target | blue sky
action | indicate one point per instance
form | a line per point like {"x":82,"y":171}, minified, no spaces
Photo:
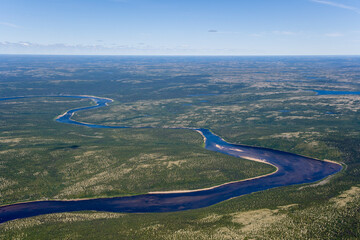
{"x":180,"y":27}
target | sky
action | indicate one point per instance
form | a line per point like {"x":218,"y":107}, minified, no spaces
{"x":180,"y":27}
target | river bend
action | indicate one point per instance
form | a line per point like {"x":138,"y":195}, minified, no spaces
{"x":291,"y":169}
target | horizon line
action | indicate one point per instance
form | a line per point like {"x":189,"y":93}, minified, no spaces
{"x":183,"y":55}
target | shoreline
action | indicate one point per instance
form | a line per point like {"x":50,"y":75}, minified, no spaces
{"x":210,"y":188}
{"x":223,"y":184}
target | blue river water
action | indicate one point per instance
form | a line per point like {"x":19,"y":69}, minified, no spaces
{"x":291,"y":169}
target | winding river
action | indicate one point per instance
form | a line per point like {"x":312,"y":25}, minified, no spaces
{"x":290,"y":169}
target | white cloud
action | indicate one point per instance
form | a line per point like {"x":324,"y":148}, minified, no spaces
{"x":9,"y":25}
{"x":338,"y":5}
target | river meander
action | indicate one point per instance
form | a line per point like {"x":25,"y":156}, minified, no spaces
{"x":291,"y":169}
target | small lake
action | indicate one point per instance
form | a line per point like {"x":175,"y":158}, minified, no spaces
{"x":324,"y":92}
